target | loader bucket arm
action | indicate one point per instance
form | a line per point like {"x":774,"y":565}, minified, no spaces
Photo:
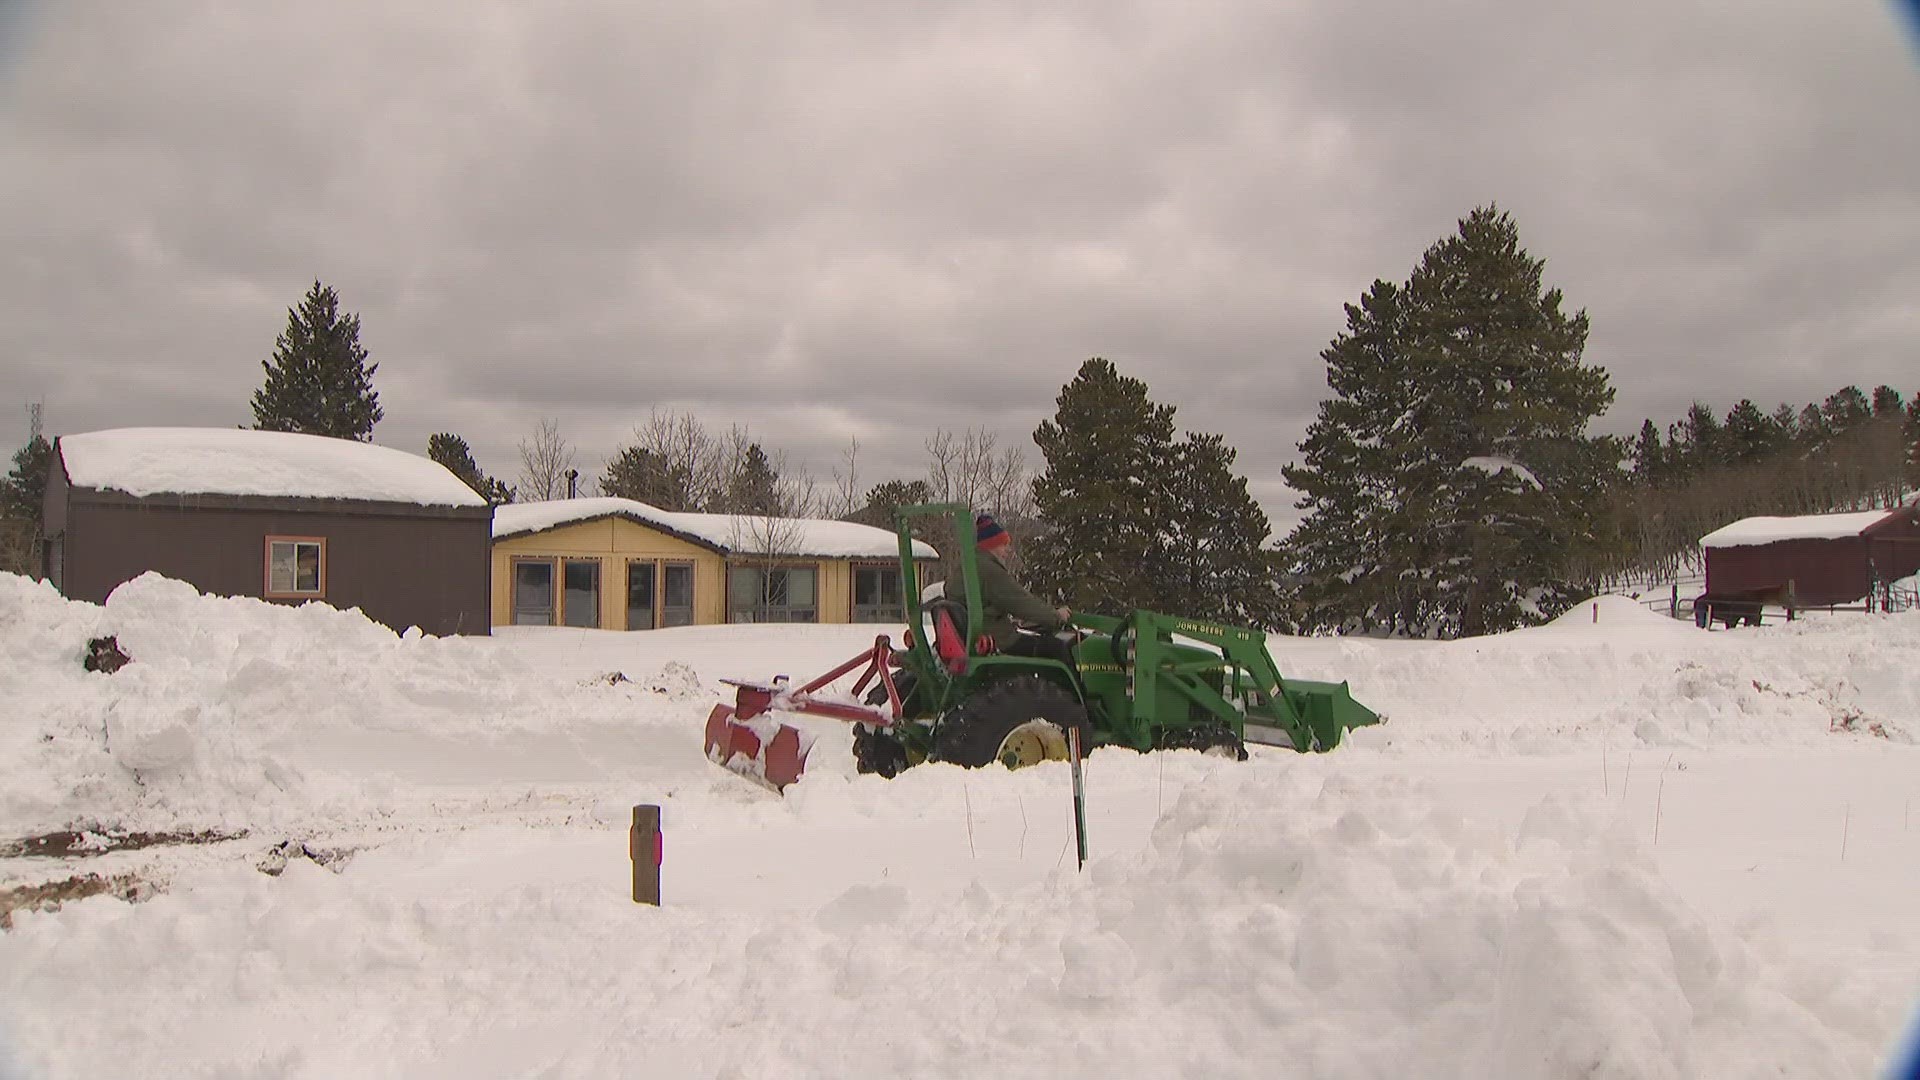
{"x":1254,"y":700}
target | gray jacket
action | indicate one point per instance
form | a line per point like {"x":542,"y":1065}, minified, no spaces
{"x":1006,"y":601}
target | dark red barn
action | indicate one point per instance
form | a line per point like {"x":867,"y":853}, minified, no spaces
{"x":1817,"y":560}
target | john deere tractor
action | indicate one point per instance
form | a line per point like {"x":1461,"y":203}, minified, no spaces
{"x":1144,"y":680}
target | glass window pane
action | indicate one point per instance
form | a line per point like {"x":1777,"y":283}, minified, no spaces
{"x":676,"y":588}
{"x":582,"y":606}
{"x":280,"y":567}
{"x":640,"y":578}
{"x":679,"y":586}
{"x":306,"y":577}
{"x":800,"y":588}
{"x":533,"y":594}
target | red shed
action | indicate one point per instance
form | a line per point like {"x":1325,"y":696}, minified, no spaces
{"x":1817,"y":559}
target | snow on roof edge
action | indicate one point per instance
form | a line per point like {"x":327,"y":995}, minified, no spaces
{"x":724,"y":533}
{"x":242,"y":462}
{"x":1756,"y":531}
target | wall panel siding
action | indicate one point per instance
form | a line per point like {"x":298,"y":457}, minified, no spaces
{"x":400,"y":570}
{"x":612,"y":542}
{"x":616,"y":540}
{"x":836,"y":592}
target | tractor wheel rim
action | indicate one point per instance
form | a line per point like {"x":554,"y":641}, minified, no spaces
{"x":1031,"y":743}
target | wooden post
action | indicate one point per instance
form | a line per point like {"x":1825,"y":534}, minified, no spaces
{"x":1790,"y":599}
{"x":1674,"y":610}
{"x":645,"y":846}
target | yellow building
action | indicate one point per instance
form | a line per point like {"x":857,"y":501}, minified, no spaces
{"x":617,"y":564}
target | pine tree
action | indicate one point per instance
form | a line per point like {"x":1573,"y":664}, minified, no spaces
{"x":1749,"y":434}
{"x":319,"y":381}
{"x":1910,"y":435}
{"x":1649,"y":457}
{"x":1217,"y":566}
{"x":1845,"y":408}
{"x":639,"y":474}
{"x":23,"y":490}
{"x":451,"y":451}
{"x":1701,"y":441}
{"x":1449,"y":486}
{"x":1786,"y":425}
{"x":1102,"y":494}
{"x":884,"y":498}
{"x":754,"y":487}
{"x":1887,"y":404}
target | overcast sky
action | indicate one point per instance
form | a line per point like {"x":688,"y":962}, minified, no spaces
{"x":876,"y":220}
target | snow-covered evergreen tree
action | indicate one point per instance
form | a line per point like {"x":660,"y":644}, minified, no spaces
{"x":1449,"y":484}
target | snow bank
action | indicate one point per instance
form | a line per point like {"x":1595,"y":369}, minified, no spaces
{"x":1275,"y":920}
{"x":1633,"y":678}
{"x":1437,"y":899}
{"x":225,"y":695}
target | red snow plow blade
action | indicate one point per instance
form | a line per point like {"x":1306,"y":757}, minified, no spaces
{"x":746,"y":738}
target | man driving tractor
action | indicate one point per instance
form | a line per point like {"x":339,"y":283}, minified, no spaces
{"x":1006,"y":601}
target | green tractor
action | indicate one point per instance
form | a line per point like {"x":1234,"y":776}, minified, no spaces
{"x":1146,"y":681}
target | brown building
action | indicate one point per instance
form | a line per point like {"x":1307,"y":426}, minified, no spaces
{"x":1816,"y":560}
{"x":273,"y":515}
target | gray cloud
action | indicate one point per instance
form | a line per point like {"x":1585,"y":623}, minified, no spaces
{"x":826,"y":222}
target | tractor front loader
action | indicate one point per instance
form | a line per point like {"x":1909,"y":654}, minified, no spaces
{"x":1146,"y":681}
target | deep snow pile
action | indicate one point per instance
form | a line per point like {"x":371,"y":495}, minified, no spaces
{"x":203,"y":724}
{"x":1462,"y":892}
{"x":1630,"y":678}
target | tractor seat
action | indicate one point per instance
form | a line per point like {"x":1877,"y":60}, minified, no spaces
{"x":949,"y":619}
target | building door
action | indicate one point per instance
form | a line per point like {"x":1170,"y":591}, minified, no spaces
{"x":676,"y":594}
{"x":582,"y":606}
{"x":533,"y":593}
{"x":641,"y":595}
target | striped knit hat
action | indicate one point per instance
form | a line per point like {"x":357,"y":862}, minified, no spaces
{"x":988,"y":534}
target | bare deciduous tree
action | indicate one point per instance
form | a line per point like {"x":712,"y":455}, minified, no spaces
{"x":973,"y":469}
{"x":767,"y":543}
{"x":847,"y":499}
{"x":689,"y":455}
{"x":544,"y":461}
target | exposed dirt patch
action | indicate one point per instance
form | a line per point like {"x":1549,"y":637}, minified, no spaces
{"x":48,"y":896}
{"x":82,"y":843}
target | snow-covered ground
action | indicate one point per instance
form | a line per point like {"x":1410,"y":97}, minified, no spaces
{"x":1616,"y":846}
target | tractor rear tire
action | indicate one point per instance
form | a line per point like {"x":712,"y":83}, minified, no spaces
{"x":1018,"y":723}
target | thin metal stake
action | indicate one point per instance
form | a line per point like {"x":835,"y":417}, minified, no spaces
{"x":1079,"y":796}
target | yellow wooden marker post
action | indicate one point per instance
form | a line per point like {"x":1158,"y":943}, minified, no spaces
{"x":647,"y":849}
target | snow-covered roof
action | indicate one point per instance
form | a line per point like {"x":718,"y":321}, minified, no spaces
{"x":724,"y":532}
{"x":1752,"y":531}
{"x":237,"y":461}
